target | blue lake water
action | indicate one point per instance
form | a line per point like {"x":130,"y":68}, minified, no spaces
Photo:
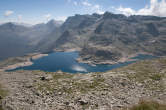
{"x":65,"y":61}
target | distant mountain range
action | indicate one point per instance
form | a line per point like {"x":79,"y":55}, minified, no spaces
{"x":98,"y":37}
{"x":18,"y":40}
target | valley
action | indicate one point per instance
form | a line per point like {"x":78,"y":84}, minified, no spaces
{"x":43,"y":66}
{"x":100,"y":39}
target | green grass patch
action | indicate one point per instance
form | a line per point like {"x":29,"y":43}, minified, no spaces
{"x":148,"y":105}
{"x":66,"y":84}
{"x":3,"y":92}
{"x":57,"y":82}
{"x":156,"y":77}
{"x":148,"y":72}
{"x":97,"y":83}
{"x":62,"y":76}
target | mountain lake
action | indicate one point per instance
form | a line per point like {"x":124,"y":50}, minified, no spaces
{"x":66,"y":62}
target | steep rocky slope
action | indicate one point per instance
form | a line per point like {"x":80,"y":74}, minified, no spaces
{"x":116,"y":89}
{"x":113,"y":37}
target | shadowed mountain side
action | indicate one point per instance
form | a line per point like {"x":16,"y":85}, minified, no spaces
{"x":18,"y":40}
{"x":113,"y":36}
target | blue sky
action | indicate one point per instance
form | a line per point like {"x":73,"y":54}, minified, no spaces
{"x":36,"y":11}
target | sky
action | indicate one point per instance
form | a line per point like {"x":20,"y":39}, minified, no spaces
{"x":37,"y":11}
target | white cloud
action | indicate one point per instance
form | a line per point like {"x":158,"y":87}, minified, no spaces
{"x":69,"y":1}
{"x":156,"y":8}
{"x":126,"y":11}
{"x":47,"y":16}
{"x":8,"y":13}
{"x":75,"y":3}
{"x":60,"y":18}
{"x":86,"y":3}
{"x":94,"y":8}
{"x":97,"y":8}
{"x":19,"y":17}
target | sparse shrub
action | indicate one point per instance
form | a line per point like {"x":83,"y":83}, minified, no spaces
{"x":3,"y":93}
{"x":148,"y":105}
{"x":156,"y":77}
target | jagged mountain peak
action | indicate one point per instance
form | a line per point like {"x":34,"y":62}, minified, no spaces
{"x":109,"y":15}
{"x":54,"y":23}
{"x":8,"y":24}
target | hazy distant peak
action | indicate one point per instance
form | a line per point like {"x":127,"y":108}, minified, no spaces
{"x":9,"y":25}
{"x":112,"y":15}
{"x":16,"y":24}
{"x":96,"y":15}
{"x":23,"y":24}
{"x":55,"y":23}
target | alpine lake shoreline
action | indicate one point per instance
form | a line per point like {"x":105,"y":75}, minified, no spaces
{"x":27,"y":60}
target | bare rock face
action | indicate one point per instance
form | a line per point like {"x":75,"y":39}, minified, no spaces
{"x":116,"y":89}
{"x":99,"y":54}
{"x":125,"y":35}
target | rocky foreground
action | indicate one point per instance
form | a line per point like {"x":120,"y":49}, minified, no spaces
{"x":112,"y":90}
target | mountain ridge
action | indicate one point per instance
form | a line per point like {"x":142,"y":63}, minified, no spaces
{"x":98,"y":37}
{"x":116,"y":34}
